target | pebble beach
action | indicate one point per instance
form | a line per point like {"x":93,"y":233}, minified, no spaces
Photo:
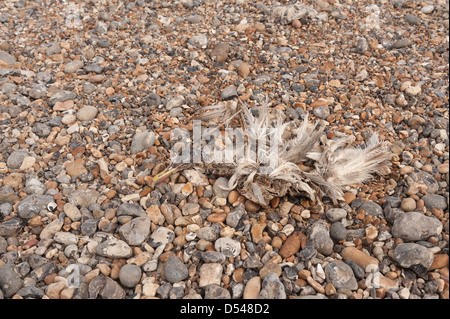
{"x":91,"y":90}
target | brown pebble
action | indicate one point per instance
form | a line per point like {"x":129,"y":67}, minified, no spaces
{"x":292,"y":245}
{"x":362,"y":259}
{"x":439,"y":261}
{"x":252,"y":288}
{"x":237,"y":274}
{"x":216,"y":217}
{"x":349,"y":197}
{"x":50,"y":278}
{"x":276,"y":242}
{"x":296,"y":24}
{"x":243,"y":70}
{"x":233,"y":196}
{"x":317,"y":287}
{"x":257,"y":231}
{"x":270,"y":267}
{"x":274,"y":202}
{"x":304,"y":273}
{"x":251,"y":206}
{"x":330,"y":290}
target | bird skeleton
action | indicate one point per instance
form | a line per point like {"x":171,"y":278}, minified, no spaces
{"x":276,"y":153}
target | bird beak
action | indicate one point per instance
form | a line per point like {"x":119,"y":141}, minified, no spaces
{"x":161,"y":177}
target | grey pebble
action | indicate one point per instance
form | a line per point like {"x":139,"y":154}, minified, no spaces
{"x":113,"y":248}
{"x":338,"y":231}
{"x":175,"y":270}
{"x":43,"y":271}
{"x":15,"y":159}
{"x":321,"y":112}
{"x":411,"y":254}
{"x":3,"y":245}
{"x":371,"y":208}
{"x":198,"y":41}
{"x":61,"y":96}
{"x":319,"y":238}
{"x":341,"y":275}
{"x":361,"y":45}
{"x":53,"y":49}
{"x":73,"y":66}
{"x":229,"y":93}
{"x":89,"y":227}
{"x":41,"y":130}
{"x":434,"y":201}
{"x":402,"y":43}
{"x":7,"y":58}
{"x":84,"y":197}
{"x":412,"y":19}
{"x":213,"y":257}
{"x":272,"y":288}
{"x":95,"y":68}
{"x":130,"y":275}
{"x":112,"y":290}
{"x":214,"y":291}
{"x":336,"y":214}
{"x":130,"y":209}
{"x":30,"y":292}
{"x":142,"y":141}
{"x":135,"y":231}
{"x":33,"y":204}
{"x":235,"y":216}
{"x":5,"y":210}
{"x":164,"y":290}
{"x":207,"y":233}
{"x":357,"y":270}
{"x":415,"y":226}
{"x":10,"y":282}
{"x":161,"y":236}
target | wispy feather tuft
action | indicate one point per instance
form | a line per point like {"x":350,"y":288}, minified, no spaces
{"x":275,"y":169}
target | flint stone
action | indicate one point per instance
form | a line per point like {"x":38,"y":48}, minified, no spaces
{"x":33,"y":204}
{"x":130,"y":209}
{"x":415,"y":226}
{"x":272,"y":288}
{"x":61,"y":96}
{"x":411,"y":254}
{"x":84,"y":197}
{"x":10,"y":282}
{"x":319,"y":238}
{"x":113,"y":248}
{"x":175,"y":270}
{"x":216,"y":292}
{"x":142,"y":141}
{"x":7,"y":58}
{"x":341,"y":275}
{"x":434,"y":201}
{"x":135,"y":231}
{"x":16,"y":158}
{"x":161,"y":236}
{"x":10,"y":227}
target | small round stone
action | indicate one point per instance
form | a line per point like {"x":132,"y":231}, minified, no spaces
{"x":408,"y":204}
{"x":87,"y":113}
{"x":175,"y":270}
{"x":338,"y":231}
{"x":130,"y":275}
